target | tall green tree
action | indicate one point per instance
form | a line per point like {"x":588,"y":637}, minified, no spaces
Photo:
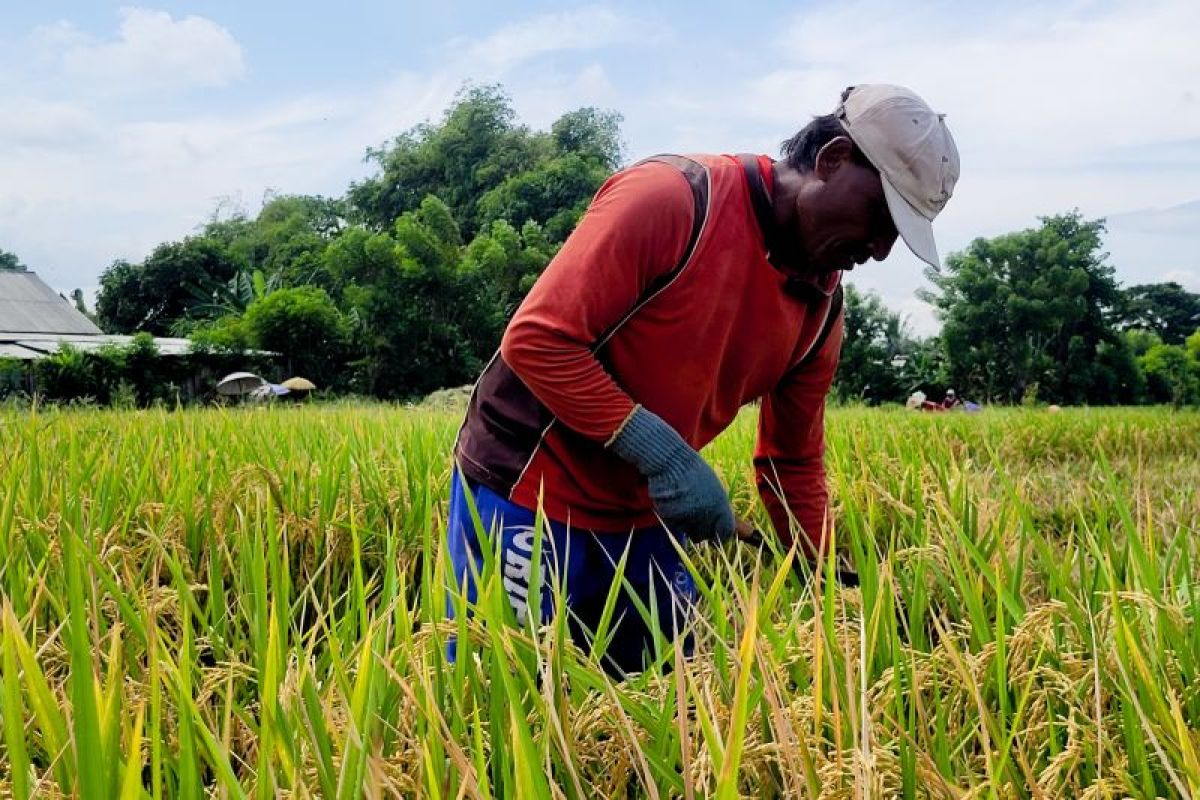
{"x":215,"y":299}
{"x":553,"y":194}
{"x":473,"y":149}
{"x":420,"y":320}
{"x":478,"y":150}
{"x":1167,"y":309}
{"x":1028,"y":311}
{"x":424,"y":261}
{"x":286,"y":239}
{"x":153,"y":295}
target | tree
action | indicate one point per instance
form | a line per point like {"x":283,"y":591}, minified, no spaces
{"x":554,"y":194}
{"x":1171,"y":375}
{"x":424,"y":261}
{"x":304,"y":326}
{"x":473,"y":149}
{"x":287,"y":238}
{"x":140,"y":358}
{"x":507,"y":262}
{"x":227,"y":335}
{"x":80,"y":305}
{"x":152,"y":295}
{"x":592,"y":134}
{"x":485,"y":167}
{"x":874,"y":336}
{"x":1029,"y":308}
{"x":1167,"y":309}
{"x":1119,"y":377}
{"x":10,"y":263}
{"x":1140,"y":341}
{"x":215,"y":299}
{"x":422,"y":318}
{"x":66,"y":374}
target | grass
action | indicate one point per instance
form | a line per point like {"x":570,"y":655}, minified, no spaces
{"x":248,"y":603}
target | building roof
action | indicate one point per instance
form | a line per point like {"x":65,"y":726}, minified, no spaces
{"x":29,"y":348}
{"x":31,"y":308}
{"x":35,"y":321}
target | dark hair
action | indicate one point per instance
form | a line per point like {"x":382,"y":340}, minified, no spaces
{"x":801,"y":150}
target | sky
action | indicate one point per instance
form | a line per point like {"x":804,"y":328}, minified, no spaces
{"x":124,"y":126}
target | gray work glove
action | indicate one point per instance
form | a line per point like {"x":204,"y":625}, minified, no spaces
{"x":685,"y":491}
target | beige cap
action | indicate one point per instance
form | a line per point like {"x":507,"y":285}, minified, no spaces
{"x":910,"y":145}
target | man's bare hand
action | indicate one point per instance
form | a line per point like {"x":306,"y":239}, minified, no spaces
{"x":745,"y":531}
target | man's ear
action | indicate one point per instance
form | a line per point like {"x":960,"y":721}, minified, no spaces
{"x":837,"y":151}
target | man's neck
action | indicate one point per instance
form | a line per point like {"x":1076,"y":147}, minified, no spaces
{"x":787,"y":250}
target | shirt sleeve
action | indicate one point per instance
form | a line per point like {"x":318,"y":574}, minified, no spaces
{"x":636,"y":229}
{"x":789,"y":460}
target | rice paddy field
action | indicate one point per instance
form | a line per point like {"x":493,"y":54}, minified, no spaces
{"x":250,"y":602}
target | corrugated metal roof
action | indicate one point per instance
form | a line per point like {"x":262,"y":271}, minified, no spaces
{"x":29,"y":306}
{"x":20,"y":346}
{"x":49,"y":344}
{"x":8,"y":350}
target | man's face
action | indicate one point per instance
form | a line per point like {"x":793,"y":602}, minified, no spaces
{"x":842,"y":218}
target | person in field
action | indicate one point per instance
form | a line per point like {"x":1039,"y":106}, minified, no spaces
{"x":691,"y":287}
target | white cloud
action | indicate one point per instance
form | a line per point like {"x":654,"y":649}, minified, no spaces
{"x":152,"y":51}
{"x":145,"y":182}
{"x":36,"y":123}
{"x":1180,"y":220}
{"x":585,"y":28}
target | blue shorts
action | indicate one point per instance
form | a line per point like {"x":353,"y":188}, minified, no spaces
{"x":585,"y":564}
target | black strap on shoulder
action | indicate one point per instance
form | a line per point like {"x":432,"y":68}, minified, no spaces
{"x":697,"y":178}
{"x":760,"y":198}
{"x":835,"y":313}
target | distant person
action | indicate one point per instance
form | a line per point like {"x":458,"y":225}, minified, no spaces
{"x":951,"y":400}
{"x":692,"y":286}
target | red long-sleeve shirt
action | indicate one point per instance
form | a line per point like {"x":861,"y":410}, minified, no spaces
{"x":643,"y":305}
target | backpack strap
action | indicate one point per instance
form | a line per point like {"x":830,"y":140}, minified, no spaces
{"x":698,"y":179}
{"x":760,"y":198}
{"x":835,"y":313}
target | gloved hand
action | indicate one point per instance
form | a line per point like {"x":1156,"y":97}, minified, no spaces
{"x":685,"y":491}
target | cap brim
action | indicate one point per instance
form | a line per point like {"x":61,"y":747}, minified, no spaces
{"x":914,"y":227}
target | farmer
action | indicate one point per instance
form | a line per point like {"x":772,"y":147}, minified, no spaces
{"x":691,"y":287}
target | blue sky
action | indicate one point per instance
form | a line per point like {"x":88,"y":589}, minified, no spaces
{"x":124,"y":126}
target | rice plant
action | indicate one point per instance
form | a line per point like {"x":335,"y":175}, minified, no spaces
{"x":251,"y":602}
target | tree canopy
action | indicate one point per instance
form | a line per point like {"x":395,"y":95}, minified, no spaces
{"x":1167,"y":309}
{"x":1028,"y":312}
{"x":484,"y":166}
